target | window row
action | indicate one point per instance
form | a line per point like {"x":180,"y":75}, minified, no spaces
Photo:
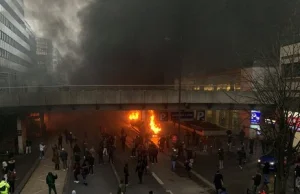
{"x":19,"y":7}
{"x":9,"y":25}
{"x":13,"y":43}
{"x":11,"y":57}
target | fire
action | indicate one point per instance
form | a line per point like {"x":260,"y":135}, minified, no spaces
{"x":134,"y":115}
{"x":153,"y":126}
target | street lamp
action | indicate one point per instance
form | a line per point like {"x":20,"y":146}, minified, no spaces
{"x":179,"y":82}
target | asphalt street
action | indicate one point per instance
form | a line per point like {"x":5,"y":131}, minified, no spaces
{"x":235,"y":179}
{"x":102,"y":181}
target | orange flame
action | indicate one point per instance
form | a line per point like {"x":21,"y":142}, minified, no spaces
{"x":153,"y":126}
{"x":134,"y":115}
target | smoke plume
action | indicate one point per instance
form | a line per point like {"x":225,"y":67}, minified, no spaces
{"x":147,"y":42}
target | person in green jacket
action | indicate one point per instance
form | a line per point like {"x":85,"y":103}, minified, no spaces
{"x":4,"y":187}
{"x":50,"y":180}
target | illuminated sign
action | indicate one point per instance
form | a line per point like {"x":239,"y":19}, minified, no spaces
{"x":255,"y":117}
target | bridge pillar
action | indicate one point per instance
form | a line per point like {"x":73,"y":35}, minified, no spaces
{"x":42,"y":124}
{"x":217,"y":118}
{"x":21,"y":130}
{"x":230,"y":119}
{"x":214,"y":116}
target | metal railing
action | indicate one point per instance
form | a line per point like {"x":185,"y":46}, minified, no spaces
{"x":65,"y":88}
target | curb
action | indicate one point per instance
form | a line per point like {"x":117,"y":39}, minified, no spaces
{"x":68,"y":177}
{"x":115,"y":172}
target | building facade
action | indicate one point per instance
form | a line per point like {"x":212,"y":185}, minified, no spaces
{"x":16,"y":50}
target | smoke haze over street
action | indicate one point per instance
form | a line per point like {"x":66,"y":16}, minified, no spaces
{"x":143,"y":42}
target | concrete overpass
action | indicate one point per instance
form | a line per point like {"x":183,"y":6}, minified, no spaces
{"x":121,"y":98}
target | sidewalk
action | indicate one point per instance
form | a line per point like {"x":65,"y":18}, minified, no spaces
{"x":37,"y":182}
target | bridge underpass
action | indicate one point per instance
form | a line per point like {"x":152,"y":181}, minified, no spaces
{"x":121,"y":98}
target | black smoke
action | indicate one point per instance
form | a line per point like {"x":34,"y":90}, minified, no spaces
{"x":143,"y":42}
{"x":148,"y":42}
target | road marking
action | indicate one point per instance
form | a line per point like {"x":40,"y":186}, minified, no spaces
{"x":169,"y":191}
{"x":115,"y":172}
{"x":200,"y":177}
{"x":157,"y":178}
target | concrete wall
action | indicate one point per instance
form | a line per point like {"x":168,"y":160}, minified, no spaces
{"x":111,"y":97}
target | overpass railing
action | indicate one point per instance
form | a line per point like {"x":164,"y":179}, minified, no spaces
{"x":65,"y":88}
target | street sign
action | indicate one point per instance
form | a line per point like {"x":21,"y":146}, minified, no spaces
{"x":255,"y":117}
{"x":201,"y":115}
{"x":184,"y":116}
{"x":163,"y":116}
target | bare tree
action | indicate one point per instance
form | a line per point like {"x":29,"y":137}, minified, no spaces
{"x":275,"y":84}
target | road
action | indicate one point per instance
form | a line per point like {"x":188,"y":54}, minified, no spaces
{"x":206,"y":165}
{"x":104,"y":179}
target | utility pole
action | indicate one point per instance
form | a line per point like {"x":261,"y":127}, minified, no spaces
{"x":179,"y":88}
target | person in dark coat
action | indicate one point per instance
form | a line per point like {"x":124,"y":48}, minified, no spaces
{"x":50,"y":180}
{"x":64,"y":158}
{"x":76,"y":170}
{"x":11,"y":179}
{"x":218,"y":181}
{"x":60,"y":141}
{"x":256,"y":181}
{"x":140,"y":169}
{"x":85,"y":172}
{"x":91,"y":161}
{"x":126,"y":174}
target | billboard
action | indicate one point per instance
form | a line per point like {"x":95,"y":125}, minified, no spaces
{"x":255,"y":117}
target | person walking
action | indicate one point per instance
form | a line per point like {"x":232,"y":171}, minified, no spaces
{"x":100,"y":153}
{"x":188,"y":166}
{"x":55,"y":159}
{"x":64,"y":158}
{"x":11,"y":178}
{"x":218,"y":181}
{"x":140,"y":169}
{"x":28,"y":146}
{"x":42,"y":150}
{"x":76,"y":171}
{"x":256,"y":181}
{"x":4,"y":186}
{"x":50,"y":181}
{"x":126,"y":174}
{"x":174,"y":159}
{"x":91,"y":161}
{"x":85,"y":172}
{"x":111,"y":151}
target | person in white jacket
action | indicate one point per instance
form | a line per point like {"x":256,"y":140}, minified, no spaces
{"x":73,"y":192}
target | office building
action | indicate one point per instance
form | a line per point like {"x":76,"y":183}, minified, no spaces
{"x":15,"y":47}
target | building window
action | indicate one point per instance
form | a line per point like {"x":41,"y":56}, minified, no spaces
{"x":223,"y":87}
{"x":13,"y":43}
{"x":209,"y":88}
{"x":11,"y":57}
{"x":9,"y":25}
